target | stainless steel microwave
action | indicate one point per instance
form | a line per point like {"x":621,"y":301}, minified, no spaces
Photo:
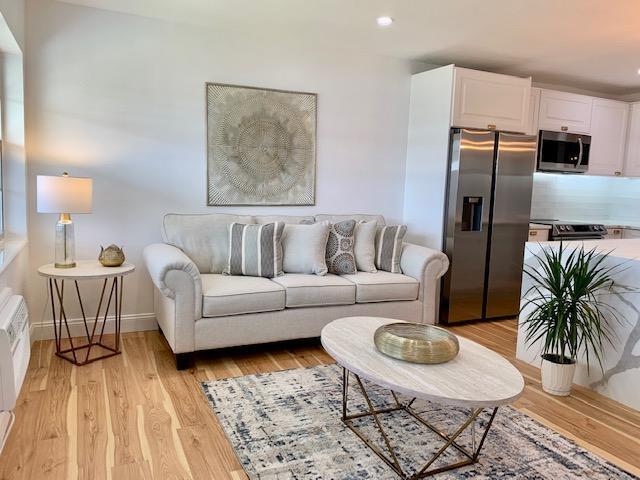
{"x":563,"y":152}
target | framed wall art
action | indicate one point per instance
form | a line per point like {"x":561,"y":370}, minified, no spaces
{"x":261,"y":146}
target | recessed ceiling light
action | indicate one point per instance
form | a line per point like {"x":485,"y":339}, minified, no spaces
{"x":384,"y":21}
{"x":639,"y":71}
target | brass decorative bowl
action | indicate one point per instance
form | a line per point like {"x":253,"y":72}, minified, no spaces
{"x":416,"y":342}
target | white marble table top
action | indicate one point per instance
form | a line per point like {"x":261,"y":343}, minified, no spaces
{"x":477,"y":377}
{"x":85,"y":270}
{"x":620,"y":248}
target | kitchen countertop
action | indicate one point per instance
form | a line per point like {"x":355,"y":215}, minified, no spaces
{"x":539,"y":226}
{"x":627,"y":249}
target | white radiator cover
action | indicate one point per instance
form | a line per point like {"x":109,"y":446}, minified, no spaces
{"x":15,"y":350}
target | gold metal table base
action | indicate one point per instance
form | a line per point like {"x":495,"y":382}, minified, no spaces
{"x":74,"y":353}
{"x":471,"y":456}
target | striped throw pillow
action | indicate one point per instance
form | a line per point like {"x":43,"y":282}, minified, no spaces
{"x":389,"y":247}
{"x":255,"y":250}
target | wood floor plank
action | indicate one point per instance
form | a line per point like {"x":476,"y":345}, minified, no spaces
{"x":182,"y":397}
{"x":132,"y":471}
{"x":53,"y":415}
{"x":222,"y":454}
{"x":284,"y":360}
{"x":123,"y":416}
{"x":91,"y":423}
{"x":39,"y":365}
{"x":50,"y":460}
{"x":200,"y":448}
{"x":135,"y":416}
{"x":166,"y":461}
{"x":19,"y":452}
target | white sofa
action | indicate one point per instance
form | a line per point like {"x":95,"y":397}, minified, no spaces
{"x":198,"y":308}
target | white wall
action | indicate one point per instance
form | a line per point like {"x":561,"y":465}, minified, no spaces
{"x":586,"y":198}
{"x":120,"y":98}
{"x":13,"y":12}
{"x":14,"y":255}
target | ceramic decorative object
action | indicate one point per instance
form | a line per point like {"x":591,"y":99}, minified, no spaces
{"x":112,"y":256}
{"x":557,"y":378}
{"x":416,"y":342}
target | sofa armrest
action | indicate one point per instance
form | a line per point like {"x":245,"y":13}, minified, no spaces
{"x":177,"y":278}
{"x":427,"y":266}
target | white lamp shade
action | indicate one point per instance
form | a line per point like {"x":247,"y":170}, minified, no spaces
{"x":64,"y":194}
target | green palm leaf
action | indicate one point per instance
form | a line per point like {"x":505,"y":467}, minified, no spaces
{"x":565,"y":306}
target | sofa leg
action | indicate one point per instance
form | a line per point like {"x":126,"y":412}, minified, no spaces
{"x":184,"y":360}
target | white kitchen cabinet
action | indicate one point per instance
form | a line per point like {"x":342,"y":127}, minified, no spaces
{"x":632,"y":160}
{"x":630,"y":233}
{"x":490,"y":101}
{"x":441,"y":98}
{"x":609,"y":120}
{"x":614,"y":233}
{"x":565,"y":112}
{"x":534,"y":112}
{"x":538,"y":234}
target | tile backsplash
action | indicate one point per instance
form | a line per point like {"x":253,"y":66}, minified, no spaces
{"x":586,"y":198}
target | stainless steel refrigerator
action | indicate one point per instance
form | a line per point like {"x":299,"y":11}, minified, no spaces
{"x":486,"y":223}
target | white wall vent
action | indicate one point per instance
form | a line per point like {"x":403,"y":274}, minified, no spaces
{"x":15,"y":350}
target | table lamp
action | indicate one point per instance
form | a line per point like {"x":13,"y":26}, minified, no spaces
{"x":64,"y":195}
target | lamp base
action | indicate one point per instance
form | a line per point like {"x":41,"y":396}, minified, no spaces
{"x":65,"y":265}
{"x":65,"y":243}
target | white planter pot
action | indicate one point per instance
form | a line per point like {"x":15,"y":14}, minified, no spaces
{"x":557,"y":377}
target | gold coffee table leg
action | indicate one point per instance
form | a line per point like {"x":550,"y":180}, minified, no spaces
{"x":392,"y":460}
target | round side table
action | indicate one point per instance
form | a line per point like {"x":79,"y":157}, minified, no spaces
{"x":112,"y":286}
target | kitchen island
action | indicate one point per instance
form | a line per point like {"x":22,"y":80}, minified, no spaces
{"x":621,"y":361}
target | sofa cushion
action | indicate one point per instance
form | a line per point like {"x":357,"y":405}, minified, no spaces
{"x":339,"y":256}
{"x":310,"y":290}
{"x":364,"y":248}
{"x":383,"y":286}
{"x":389,"y":247}
{"x":233,"y":295}
{"x":204,"y":238}
{"x":255,"y":250}
{"x":303,"y":248}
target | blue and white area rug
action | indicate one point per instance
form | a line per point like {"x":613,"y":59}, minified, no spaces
{"x":286,"y":425}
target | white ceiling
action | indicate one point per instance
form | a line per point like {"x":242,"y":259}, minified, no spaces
{"x":588,"y":44}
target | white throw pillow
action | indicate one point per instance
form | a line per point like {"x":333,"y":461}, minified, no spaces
{"x":304,"y":247}
{"x":364,"y":248}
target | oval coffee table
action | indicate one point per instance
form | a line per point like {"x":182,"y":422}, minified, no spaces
{"x":477,"y":378}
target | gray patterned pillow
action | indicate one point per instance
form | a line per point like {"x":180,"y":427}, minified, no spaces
{"x":255,"y":250}
{"x":389,"y":248}
{"x":339,"y":255}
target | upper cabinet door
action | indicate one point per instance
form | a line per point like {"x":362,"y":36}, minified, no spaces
{"x":608,"y":135}
{"x":490,"y":101}
{"x":565,"y":112}
{"x":632,"y":162}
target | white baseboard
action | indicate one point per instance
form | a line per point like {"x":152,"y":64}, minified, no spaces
{"x":135,"y":322}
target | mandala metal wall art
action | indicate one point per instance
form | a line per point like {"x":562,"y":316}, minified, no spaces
{"x":261,"y":146}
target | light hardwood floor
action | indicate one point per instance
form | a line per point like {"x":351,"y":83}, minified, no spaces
{"x":134,"y":416}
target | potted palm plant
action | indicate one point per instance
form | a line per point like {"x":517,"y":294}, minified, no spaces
{"x":564,"y":308}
